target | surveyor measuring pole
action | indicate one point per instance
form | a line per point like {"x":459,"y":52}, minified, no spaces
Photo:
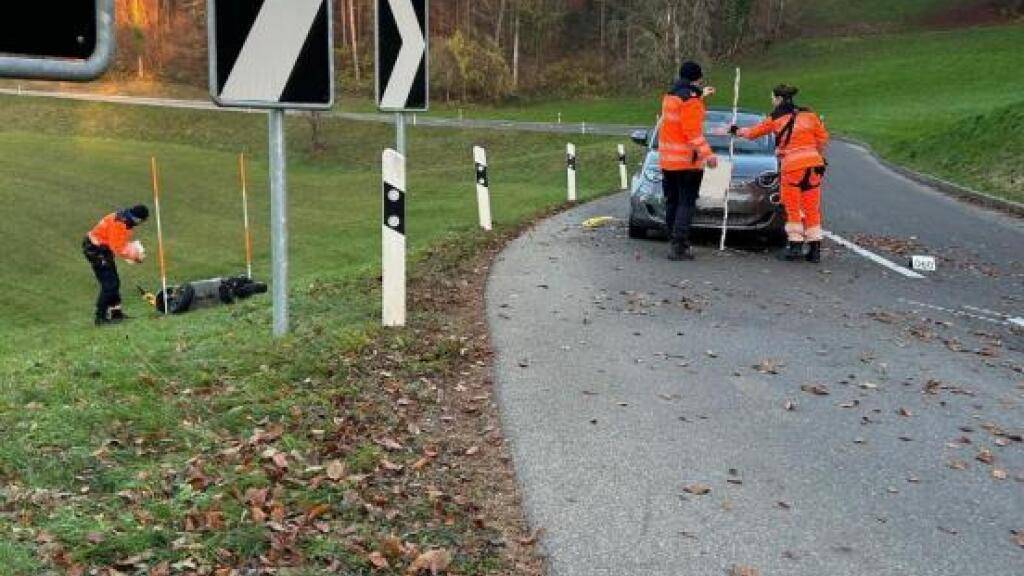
{"x":245,"y":214}
{"x":732,"y":156}
{"x":159,"y":233}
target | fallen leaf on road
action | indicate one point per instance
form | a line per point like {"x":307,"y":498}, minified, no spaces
{"x":949,"y":531}
{"x":958,"y":465}
{"x":532,"y":538}
{"x":784,"y":505}
{"x":789,"y":406}
{"x":768,"y":366}
{"x":738,"y":570}
{"x":904,"y":412}
{"x":697,"y":489}
{"x":868,"y":386}
{"x":1000,"y":474}
{"x":853,"y":404}
{"x":985,"y":456}
{"x":815,"y":389}
{"x":1018,"y":537}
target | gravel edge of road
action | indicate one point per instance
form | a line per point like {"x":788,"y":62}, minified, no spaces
{"x":944,"y":186}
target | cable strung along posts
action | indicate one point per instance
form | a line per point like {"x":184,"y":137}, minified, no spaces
{"x":570,"y":161}
{"x":483,"y":187}
{"x":732,"y":156}
{"x":393,"y":240}
{"x":623,"y":173}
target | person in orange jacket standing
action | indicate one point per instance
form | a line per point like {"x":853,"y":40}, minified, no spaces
{"x":800,"y":141}
{"x":683,"y":152}
{"x":111,"y":237}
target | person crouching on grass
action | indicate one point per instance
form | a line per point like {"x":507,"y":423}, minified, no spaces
{"x":112,"y":236}
{"x":800,"y":141}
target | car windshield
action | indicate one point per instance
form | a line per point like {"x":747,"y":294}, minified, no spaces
{"x":720,"y":144}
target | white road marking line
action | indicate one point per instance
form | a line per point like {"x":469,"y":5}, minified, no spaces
{"x":1000,"y":321}
{"x":872,"y":256}
{"x":271,"y":50}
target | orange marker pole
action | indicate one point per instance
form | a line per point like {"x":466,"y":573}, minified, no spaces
{"x":159,"y":233}
{"x":245,"y":214}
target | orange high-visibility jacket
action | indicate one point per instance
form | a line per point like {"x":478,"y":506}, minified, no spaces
{"x":112,"y":233}
{"x":800,"y":149}
{"x":681,"y":142}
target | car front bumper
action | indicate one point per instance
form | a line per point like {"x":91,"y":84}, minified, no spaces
{"x":750,"y":208}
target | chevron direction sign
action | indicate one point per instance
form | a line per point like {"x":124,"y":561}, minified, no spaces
{"x":403,"y":55}
{"x":271,"y":53}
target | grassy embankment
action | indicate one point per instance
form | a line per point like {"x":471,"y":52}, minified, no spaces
{"x":948,"y":103}
{"x":102,"y":429}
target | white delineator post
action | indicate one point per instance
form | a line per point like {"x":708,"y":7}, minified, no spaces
{"x":623,"y":173}
{"x":570,"y":161}
{"x":483,"y":187}
{"x":393,"y":239}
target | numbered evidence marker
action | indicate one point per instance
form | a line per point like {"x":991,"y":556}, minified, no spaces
{"x":402,"y":63}
{"x":483,"y":187}
{"x":570,"y":161}
{"x":923,"y":263}
{"x":271,"y":53}
{"x":56,"y":40}
{"x":393,"y":238}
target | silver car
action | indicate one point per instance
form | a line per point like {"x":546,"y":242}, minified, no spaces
{"x":753,"y":194}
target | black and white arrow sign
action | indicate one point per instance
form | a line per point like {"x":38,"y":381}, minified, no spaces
{"x":402,"y":55}
{"x":271,"y":53}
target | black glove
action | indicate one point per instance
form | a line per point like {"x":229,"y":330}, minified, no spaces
{"x":734,"y":129}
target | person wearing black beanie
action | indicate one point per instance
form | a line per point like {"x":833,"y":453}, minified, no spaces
{"x":112,"y":236}
{"x":683,"y":152}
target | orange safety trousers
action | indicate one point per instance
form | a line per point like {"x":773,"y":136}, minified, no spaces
{"x":801,"y":196}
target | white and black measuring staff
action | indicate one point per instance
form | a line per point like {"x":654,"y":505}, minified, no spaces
{"x":393,"y":249}
{"x":401,"y":62}
{"x":623,"y":172}
{"x":570,"y":168}
{"x":483,"y":187}
{"x":732,"y":157}
{"x":275,"y":55}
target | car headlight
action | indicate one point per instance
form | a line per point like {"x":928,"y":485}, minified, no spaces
{"x":768,"y":180}
{"x":653,"y":173}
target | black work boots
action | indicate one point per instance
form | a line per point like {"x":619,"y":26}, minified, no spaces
{"x":678,"y":252}
{"x":795,"y":252}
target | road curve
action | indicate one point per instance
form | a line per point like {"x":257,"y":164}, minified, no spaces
{"x":626,"y":380}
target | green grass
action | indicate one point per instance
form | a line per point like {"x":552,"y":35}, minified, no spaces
{"x":88,"y":414}
{"x":908,"y":95}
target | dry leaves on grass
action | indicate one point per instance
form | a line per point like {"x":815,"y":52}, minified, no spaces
{"x":434,"y":561}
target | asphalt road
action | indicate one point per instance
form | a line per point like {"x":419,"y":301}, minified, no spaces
{"x":624,"y":379}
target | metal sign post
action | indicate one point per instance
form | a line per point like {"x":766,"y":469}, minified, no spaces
{"x":279,"y":220}
{"x":274,"y":55}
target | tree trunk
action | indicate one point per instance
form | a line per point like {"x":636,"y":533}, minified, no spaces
{"x":515,"y":51}
{"x":353,"y":35}
{"x":498,"y":25}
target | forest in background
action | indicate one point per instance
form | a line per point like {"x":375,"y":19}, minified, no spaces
{"x":494,"y":50}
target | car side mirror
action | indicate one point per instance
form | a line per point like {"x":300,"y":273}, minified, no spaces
{"x":640,"y":137}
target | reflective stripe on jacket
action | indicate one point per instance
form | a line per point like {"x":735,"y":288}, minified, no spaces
{"x":802,"y":148}
{"x":681,"y":142}
{"x":112,"y":233}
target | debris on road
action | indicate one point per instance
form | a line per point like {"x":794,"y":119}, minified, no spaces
{"x":598,"y":222}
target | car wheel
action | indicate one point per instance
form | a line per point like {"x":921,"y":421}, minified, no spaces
{"x":637,"y":232}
